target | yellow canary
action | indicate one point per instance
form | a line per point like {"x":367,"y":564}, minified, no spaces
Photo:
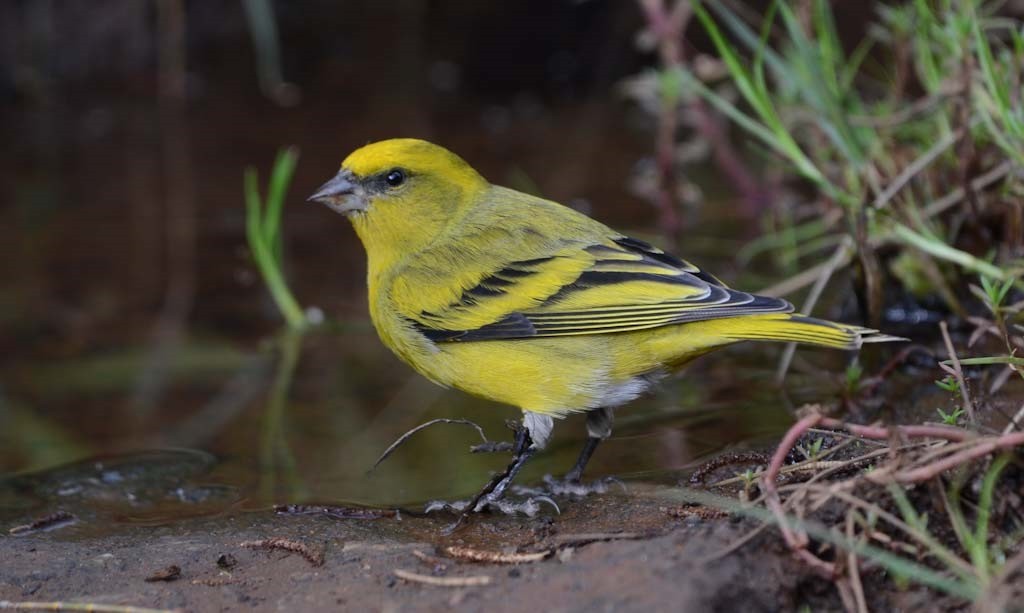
{"x":525,"y":301}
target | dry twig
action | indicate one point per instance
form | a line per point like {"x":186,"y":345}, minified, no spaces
{"x":956,"y":371}
{"x":593,"y":537}
{"x":216,"y":581}
{"x":726,"y":459}
{"x":475,"y":581}
{"x":90,"y":607}
{"x":49,"y":522}
{"x":840,"y":257}
{"x":402,"y":439}
{"x":853,"y":568}
{"x":171,"y":573}
{"x":694,"y":510}
{"x":426,"y":557}
{"x":313,"y":556}
{"x":494,"y":557}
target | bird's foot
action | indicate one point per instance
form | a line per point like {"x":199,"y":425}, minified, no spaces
{"x":491,"y":496}
{"x":501,"y":446}
{"x":529,"y":506}
{"x":492,"y":447}
{"x":568,"y":486}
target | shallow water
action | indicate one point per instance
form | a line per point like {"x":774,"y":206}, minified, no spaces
{"x":135,"y":322}
{"x":241,"y":446}
{"x":132,"y":320}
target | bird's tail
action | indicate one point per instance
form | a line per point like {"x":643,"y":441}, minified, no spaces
{"x":797,"y":328}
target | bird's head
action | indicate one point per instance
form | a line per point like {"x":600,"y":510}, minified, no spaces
{"x":401,"y":193}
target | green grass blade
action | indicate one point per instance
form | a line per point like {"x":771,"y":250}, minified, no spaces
{"x":761,"y":51}
{"x":938,"y":248}
{"x":771,"y":240}
{"x":262,"y":248}
{"x":927,"y":65}
{"x":989,"y":360}
{"x":979,"y":553}
{"x":742,"y":79}
{"x":829,"y":46}
{"x":253,"y":206}
{"x":731,"y":111}
{"x":774,"y":132}
{"x":993,"y":81}
{"x":753,"y":41}
{"x":280,"y":179}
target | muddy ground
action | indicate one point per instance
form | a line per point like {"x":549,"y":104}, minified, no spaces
{"x":610,"y":551}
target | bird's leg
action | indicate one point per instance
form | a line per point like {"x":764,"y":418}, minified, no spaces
{"x":522,"y":450}
{"x":576,"y":472}
{"x":599,"y":427}
{"x":531,"y":436}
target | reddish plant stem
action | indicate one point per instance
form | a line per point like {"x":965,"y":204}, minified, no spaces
{"x":785,"y":446}
{"x":984,"y":447}
{"x":797,"y":541}
{"x":949,"y":433}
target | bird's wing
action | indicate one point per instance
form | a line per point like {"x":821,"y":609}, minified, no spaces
{"x":594,"y":287}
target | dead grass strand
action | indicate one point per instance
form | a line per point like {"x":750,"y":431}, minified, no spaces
{"x":91,"y":607}
{"x":475,"y":581}
{"x":494,"y":557}
{"x":311,"y":555}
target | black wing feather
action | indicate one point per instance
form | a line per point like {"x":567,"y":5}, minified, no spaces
{"x":718,"y":302}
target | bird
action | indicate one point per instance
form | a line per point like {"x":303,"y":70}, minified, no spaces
{"x":524,"y":301}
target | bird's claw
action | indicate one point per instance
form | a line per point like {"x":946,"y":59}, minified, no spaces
{"x":443,"y":505}
{"x":568,"y":487}
{"x":529,"y":506}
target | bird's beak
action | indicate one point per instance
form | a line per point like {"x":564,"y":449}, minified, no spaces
{"x":340,"y":194}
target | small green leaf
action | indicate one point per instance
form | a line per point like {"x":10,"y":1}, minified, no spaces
{"x":988,"y":360}
{"x":950,"y":419}
{"x":948,"y":383}
{"x":854,"y":372}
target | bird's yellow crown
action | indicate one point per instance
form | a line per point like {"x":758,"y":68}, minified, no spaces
{"x":417,"y":156}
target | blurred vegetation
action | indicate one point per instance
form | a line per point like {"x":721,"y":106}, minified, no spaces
{"x":908,"y":142}
{"x":263,"y":231}
{"x":899,"y":156}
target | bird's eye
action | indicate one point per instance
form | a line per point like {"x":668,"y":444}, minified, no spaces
{"x":395,"y":177}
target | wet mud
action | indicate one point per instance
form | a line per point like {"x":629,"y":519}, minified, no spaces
{"x":614,"y":551}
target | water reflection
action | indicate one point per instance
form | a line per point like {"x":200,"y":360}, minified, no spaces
{"x":304,"y":417}
{"x":131,"y":320}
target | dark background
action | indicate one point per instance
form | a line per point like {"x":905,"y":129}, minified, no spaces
{"x":123,"y":158}
{"x":131,"y":315}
